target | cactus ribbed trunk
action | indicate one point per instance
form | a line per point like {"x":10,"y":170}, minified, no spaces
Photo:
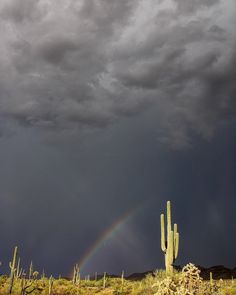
{"x":170,"y":247}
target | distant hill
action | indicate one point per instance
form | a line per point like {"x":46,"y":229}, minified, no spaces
{"x":218,"y":272}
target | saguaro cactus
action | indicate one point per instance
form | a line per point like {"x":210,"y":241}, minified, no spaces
{"x":170,"y":246}
{"x":76,"y":275}
{"x":122,"y":280}
{"x":12,"y":266}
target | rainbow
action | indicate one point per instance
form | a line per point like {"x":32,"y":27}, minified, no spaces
{"x":107,"y":235}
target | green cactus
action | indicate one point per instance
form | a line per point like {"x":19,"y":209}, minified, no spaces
{"x":18,"y":269}
{"x":122,"y":280}
{"x":170,"y":246}
{"x":104,"y":280}
{"x":211,"y":278}
{"x":31,"y":270}
{"x":12,"y":265}
{"x":76,"y":275}
{"x":122,"y":277}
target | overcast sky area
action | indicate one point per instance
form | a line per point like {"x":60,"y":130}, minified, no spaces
{"x":107,"y":106}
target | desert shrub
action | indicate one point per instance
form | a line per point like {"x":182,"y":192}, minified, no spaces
{"x":229,"y":290}
{"x":188,"y":282}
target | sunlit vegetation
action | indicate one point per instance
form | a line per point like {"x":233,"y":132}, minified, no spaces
{"x":186,"y":282}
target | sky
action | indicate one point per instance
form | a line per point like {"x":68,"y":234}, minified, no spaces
{"x":107,"y":110}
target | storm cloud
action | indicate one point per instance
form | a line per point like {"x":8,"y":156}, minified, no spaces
{"x":109,"y":105}
{"x":69,"y":65}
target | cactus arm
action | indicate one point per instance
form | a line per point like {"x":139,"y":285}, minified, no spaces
{"x":175,"y":230}
{"x":168,"y":217}
{"x":176,"y":241}
{"x":14,"y":256}
{"x":176,"y":245}
{"x":18,"y":268}
{"x":163,"y":238}
{"x":12,"y":263}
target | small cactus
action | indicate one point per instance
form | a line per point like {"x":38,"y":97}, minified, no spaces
{"x":104,"y":280}
{"x":31,"y":270}
{"x":170,"y":246}
{"x":18,"y":269}
{"x":122,"y":277}
{"x":12,"y":266}
{"x":211,"y":278}
{"x":122,"y":280}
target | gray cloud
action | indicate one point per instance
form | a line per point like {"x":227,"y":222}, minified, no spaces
{"x":20,"y":11}
{"x":70,"y":65}
{"x":185,"y":6}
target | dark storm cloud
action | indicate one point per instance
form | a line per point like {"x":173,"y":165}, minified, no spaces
{"x":54,"y":50}
{"x":70,"y":64}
